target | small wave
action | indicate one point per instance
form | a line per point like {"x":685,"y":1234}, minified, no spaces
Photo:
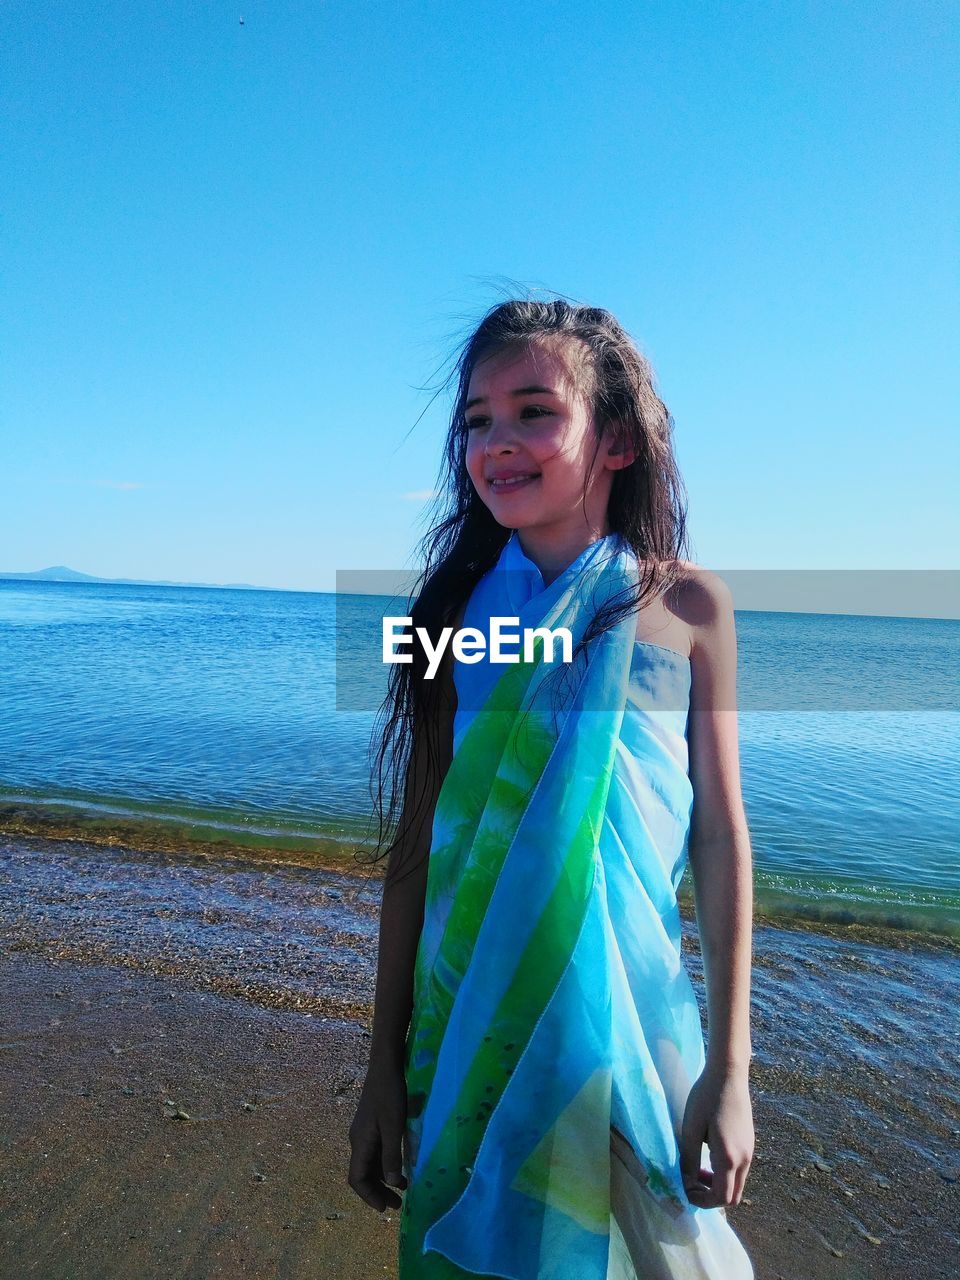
{"x":869,"y":911}
{"x":877,"y":908}
{"x":167,"y":827}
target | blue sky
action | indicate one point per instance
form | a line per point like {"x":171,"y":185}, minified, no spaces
{"x":235,"y":255}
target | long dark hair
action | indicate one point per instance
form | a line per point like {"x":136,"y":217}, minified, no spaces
{"x":647,"y":507}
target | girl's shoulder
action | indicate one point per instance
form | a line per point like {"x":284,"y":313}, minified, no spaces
{"x":690,"y":604}
{"x":701,"y":593}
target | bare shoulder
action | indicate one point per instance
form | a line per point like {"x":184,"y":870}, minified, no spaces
{"x":701,"y":598}
{"x":678,"y":617}
{"x":705,"y":602}
{"x":696,"y":607}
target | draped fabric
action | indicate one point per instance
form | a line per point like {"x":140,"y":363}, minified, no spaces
{"x":555,"y":1033}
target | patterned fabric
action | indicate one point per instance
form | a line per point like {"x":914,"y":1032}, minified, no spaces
{"x":555,"y":1034}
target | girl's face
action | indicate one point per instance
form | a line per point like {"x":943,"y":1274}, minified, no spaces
{"x":528,"y":424}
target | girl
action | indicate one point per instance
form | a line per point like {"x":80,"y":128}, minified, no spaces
{"x":538,"y":1084}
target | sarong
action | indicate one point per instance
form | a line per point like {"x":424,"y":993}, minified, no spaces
{"x":555,"y":1033}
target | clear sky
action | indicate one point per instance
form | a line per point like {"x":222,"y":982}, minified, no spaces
{"x":236,"y":254}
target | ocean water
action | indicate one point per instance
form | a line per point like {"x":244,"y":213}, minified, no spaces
{"x":213,"y":714}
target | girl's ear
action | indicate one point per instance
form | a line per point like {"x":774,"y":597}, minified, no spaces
{"x":620,"y":453}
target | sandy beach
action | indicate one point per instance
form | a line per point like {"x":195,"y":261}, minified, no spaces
{"x":185,"y":1039}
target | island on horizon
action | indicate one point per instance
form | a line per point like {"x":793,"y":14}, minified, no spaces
{"x":60,"y":573}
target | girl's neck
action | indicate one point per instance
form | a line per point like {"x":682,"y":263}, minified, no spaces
{"x":553,"y":551}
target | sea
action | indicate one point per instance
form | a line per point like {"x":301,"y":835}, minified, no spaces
{"x":214,"y":714}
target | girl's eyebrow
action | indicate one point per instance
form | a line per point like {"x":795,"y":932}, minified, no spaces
{"x":519,"y":391}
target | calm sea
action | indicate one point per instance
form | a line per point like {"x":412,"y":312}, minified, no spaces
{"x":212,"y":713}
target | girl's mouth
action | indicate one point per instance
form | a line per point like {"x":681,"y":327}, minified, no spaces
{"x":516,"y":482}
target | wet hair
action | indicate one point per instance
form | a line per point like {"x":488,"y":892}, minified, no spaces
{"x":647,"y":507}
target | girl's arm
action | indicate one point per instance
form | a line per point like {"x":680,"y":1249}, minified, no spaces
{"x":719,"y":845}
{"x":401,"y":910}
{"x":376,"y":1134}
{"x":718,"y":1109}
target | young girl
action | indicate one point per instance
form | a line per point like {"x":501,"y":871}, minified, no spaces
{"x":538,"y":1084}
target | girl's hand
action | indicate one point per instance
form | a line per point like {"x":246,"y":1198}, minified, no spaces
{"x":375,"y":1138}
{"x":718,"y":1112}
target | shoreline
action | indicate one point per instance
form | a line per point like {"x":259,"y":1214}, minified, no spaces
{"x":137,"y":986}
{"x":332,"y":856}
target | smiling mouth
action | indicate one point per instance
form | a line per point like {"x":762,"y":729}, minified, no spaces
{"x":515,"y":482}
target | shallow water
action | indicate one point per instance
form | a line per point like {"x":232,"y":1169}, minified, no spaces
{"x":202,"y":714}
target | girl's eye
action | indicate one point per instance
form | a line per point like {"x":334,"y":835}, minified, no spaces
{"x":479,"y":420}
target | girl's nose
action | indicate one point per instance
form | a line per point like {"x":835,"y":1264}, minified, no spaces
{"x":500,"y":437}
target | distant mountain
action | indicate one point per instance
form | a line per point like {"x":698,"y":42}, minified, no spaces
{"x":60,"y":573}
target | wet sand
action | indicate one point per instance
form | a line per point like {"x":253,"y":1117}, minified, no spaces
{"x":185,"y":1039}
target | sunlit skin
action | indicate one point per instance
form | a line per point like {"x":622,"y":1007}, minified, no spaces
{"x":510,"y":428}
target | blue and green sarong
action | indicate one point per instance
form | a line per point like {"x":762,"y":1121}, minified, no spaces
{"x":555,"y":1033}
